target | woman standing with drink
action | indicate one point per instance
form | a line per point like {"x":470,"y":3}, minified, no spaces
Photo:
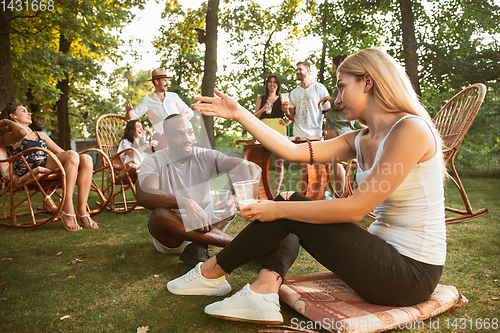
{"x":268,"y":109}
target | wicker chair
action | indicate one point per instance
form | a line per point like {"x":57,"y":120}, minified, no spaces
{"x":453,"y":122}
{"x":109,"y":131}
{"x":36,"y":199}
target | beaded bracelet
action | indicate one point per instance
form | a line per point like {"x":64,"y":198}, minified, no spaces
{"x":310,"y":152}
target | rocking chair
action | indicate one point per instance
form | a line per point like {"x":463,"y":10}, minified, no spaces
{"x":108,"y":132}
{"x":36,"y":198}
{"x":453,"y":122}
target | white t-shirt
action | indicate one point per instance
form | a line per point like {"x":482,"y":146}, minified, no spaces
{"x":308,"y":117}
{"x":157,"y":110}
{"x":189,"y":178}
{"x":124,"y":144}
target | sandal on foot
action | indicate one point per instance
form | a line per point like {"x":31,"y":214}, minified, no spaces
{"x":93,"y":225}
{"x":73,"y":216}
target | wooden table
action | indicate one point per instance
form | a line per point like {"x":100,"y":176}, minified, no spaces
{"x":315,"y":178}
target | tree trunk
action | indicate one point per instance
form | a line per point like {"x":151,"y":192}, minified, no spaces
{"x":64,"y":131}
{"x":321,"y":75}
{"x":6,"y":76}
{"x":34,"y":108}
{"x":209,"y":75}
{"x":409,"y":43}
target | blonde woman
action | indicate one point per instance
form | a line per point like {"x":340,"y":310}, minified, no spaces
{"x":79,"y":168}
{"x":399,"y":259}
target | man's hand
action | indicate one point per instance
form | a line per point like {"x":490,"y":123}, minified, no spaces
{"x":197,"y":218}
{"x":128,"y":107}
{"x":228,"y":206}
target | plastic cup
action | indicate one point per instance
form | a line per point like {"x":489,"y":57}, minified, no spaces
{"x":247,"y":192}
{"x":284,"y":98}
{"x":269,"y":108}
{"x":218,"y":198}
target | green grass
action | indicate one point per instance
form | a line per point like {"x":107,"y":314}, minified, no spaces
{"x":113,"y":280}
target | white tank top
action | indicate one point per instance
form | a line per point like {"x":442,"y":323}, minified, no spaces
{"x":412,"y":218}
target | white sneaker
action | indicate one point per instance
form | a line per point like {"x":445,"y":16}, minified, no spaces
{"x":193,"y":283}
{"x":247,"y":305}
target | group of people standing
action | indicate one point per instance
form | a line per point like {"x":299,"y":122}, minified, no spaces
{"x":306,"y":111}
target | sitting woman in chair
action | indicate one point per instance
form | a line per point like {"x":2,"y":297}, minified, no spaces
{"x":79,"y":168}
{"x":132,"y":137}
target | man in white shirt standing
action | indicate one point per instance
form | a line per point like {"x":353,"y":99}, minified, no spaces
{"x":159,"y":105}
{"x":303,"y":108}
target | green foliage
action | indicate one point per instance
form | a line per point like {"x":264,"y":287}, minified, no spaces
{"x":39,"y":64}
{"x":177,"y":43}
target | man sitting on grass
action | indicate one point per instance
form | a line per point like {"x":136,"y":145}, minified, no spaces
{"x":177,"y":180}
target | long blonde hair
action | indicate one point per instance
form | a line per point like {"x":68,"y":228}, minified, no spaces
{"x":392,"y":89}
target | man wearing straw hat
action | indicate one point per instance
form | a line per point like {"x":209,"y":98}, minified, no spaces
{"x":159,"y":105}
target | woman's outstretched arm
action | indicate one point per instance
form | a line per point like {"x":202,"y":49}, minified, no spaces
{"x":227,"y":107}
{"x":410,"y":142}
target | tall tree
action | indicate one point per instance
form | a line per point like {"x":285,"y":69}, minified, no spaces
{"x":60,"y":47}
{"x":209,"y":76}
{"x":409,"y":43}
{"x":6,"y":77}
{"x":177,"y":44}
{"x":64,"y":138}
{"x":263,"y":42}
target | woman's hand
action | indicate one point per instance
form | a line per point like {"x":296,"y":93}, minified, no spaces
{"x":221,"y":106}
{"x":323,"y":100}
{"x":284,"y":123}
{"x":153,"y":143}
{"x":148,"y":131}
{"x":264,"y":211}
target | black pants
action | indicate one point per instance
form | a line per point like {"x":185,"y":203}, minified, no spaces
{"x":367,"y":263}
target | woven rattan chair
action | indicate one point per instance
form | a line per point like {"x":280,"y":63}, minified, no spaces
{"x":109,"y":131}
{"x":453,"y":122}
{"x":36,"y":199}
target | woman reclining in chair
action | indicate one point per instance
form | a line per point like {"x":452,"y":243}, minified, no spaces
{"x":78,"y":168}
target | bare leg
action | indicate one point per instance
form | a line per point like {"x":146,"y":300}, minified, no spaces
{"x":70,"y":161}
{"x":84,"y":181}
{"x":166,"y":226}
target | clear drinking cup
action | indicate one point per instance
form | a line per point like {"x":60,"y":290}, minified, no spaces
{"x":219,"y":198}
{"x":269,"y":108}
{"x":284,"y":99}
{"x":247,"y":192}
